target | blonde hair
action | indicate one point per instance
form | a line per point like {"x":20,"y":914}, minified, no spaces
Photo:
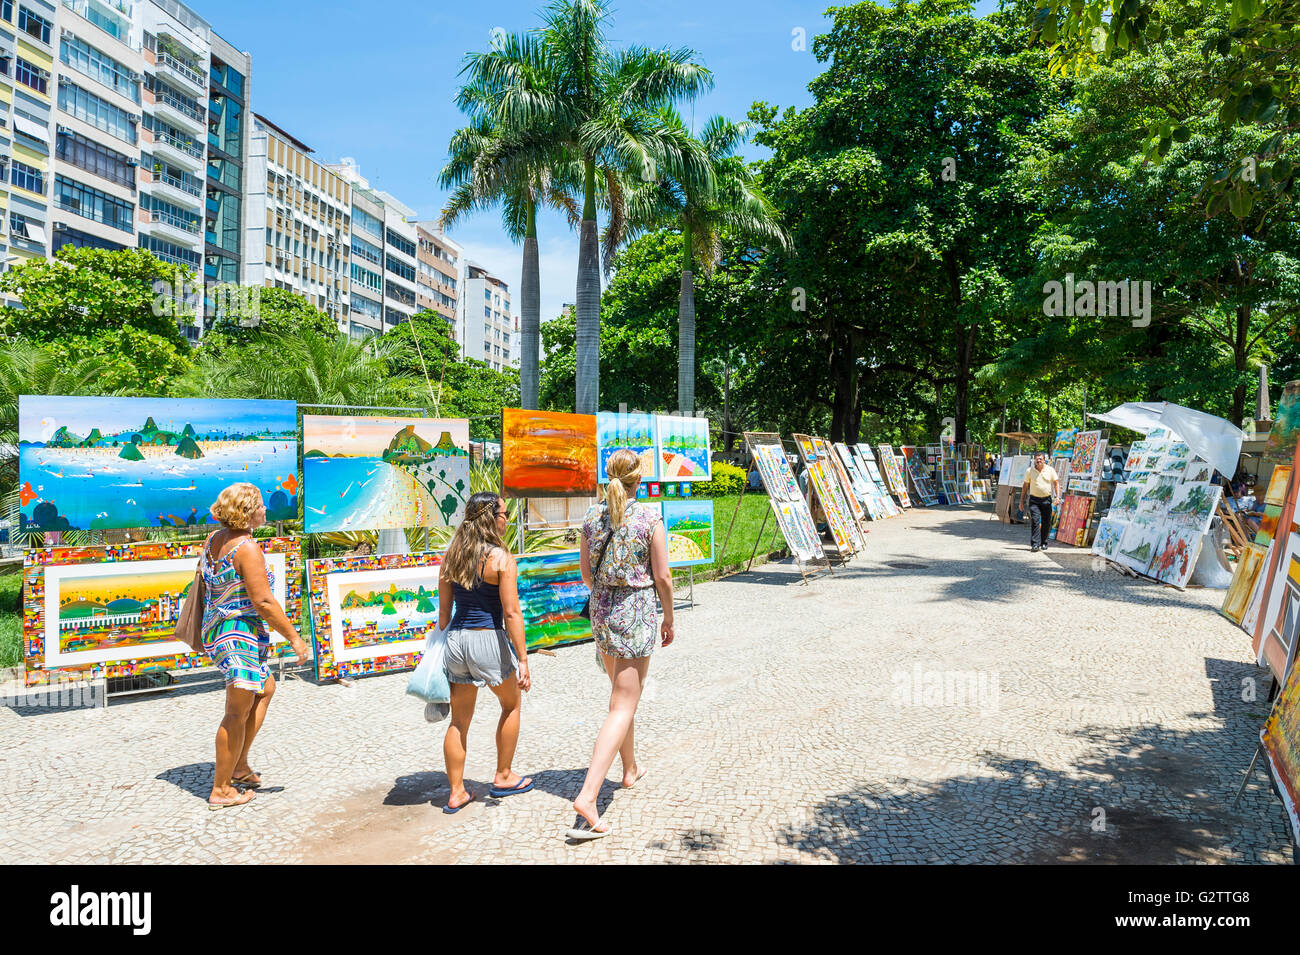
{"x":235,"y":506}
{"x":624,"y":473}
{"x":475,"y":538}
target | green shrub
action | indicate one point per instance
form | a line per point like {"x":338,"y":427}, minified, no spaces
{"x":11,"y":593}
{"x":727,"y":479}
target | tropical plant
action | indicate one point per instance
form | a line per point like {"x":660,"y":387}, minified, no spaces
{"x":599,"y":107}
{"x":322,"y":370}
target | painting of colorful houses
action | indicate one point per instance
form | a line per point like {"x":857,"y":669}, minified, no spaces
{"x":683,"y":448}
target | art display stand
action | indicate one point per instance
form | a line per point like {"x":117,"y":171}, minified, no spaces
{"x":754,"y":439}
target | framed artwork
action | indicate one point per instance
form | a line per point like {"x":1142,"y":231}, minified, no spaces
{"x":683,"y":448}
{"x":1124,"y":504}
{"x":1136,"y":455}
{"x":1198,"y":471}
{"x":774,"y":470}
{"x":1268,"y":523}
{"x":547,"y":454}
{"x":1192,"y":505}
{"x":551,"y":595}
{"x":836,"y":472}
{"x":1064,"y":443}
{"x":1277,"y":483}
{"x":1281,"y":445}
{"x":689,"y":528}
{"x":633,"y":430}
{"x":798,"y":528}
{"x":1110,"y":531}
{"x":111,"y":611}
{"x":838,"y":516}
{"x":1139,"y":545}
{"x":1280,"y":739}
{"x":1244,"y":576}
{"x":1084,"y":460}
{"x":362,"y":473}
{"x":371,"y":614}
{"x":104,"y":462}
{"x":1076,"y":509}
{"x":1176,"y":554}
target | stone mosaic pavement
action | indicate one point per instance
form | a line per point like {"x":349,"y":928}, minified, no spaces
{"x":1061,"y":713}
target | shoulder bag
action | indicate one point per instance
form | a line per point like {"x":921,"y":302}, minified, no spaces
{"x":189,"y":625}
{"x":585,"y":612}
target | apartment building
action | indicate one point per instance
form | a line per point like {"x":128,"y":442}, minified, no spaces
{"x":30,"y":54}
{"x":437,"y":271}
{"x":486,"y":335}
{"x":229,"y":131}
{"x":299,"y":232}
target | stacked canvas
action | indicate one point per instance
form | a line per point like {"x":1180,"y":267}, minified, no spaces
{"x":788,"y":504}
{"x":839,"y":513}
{"x":893,"y":475}
{"x":917,"y":472}
{"x":1157,"y":520}
{"x":864,"y":488}
{"x":866,"y":461}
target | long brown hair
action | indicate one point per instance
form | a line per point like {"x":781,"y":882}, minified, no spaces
{"x":624,"y":473}
{"x":475,"y":538}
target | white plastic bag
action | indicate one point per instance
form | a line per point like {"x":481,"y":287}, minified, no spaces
{"x":428,"y":680}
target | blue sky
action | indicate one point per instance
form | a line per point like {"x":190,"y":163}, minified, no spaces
{"x":377,"y":82}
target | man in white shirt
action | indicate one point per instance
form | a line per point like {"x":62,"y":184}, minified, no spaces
{"x":1043,"y":488}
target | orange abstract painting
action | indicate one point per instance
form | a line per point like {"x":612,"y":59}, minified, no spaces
{"x":547,"y":454}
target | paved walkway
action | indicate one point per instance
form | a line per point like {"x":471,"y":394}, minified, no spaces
{"x":1060,"y":713}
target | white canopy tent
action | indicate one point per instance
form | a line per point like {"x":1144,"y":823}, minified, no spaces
{"x":1212,"y":438}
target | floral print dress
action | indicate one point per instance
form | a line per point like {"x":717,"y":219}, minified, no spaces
{"x":624,"y":611}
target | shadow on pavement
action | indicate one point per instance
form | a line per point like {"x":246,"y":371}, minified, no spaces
{"x":1151,"y":794}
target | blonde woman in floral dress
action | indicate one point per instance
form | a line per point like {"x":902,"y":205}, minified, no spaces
{"x":624,"y":557}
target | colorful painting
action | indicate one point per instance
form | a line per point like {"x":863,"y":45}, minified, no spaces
{"x":689,"y":526}
{"x":836,"y":471}
{"x":1124,"y":505}
{"x":1192,"y":505}
{"x":552,"y":595}
{"x":1159,"y":490}
{"x":683,"y":448}
{"x":1139,"y":545}
{"x":627,"y":429}
{"x":797,"y":526}
{"x":1268,"y":523}
{"x":1110,"y":531}
{"x":362,"y":473}
{"x":1136,"y":455}
{"x":865,"y":459}
{"x":1277,"y":483}
{"x":86,"y":463}
{"x":1176,"y":554}
{"x":111,"y":611}
{"x":1064,"y":443}
{"x":1281,"y":445}
{"x":1073,"y":527}
{"x":893,"y":476}
{"x":1280,"y":738}
{"x":548,"y":454}
{"x":838,"y":516}
{"x":1244,"y":576}
{"x":371,"y":614}
{"x":863,"y":489}
{"x":1198,"y":471}
{"x":774,"y":470}
{"x":1084,"y":460}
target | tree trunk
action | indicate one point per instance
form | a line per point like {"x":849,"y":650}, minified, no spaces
{"x":530,"y":316}
{"x":587,"y":310}
{"x":842,"y":381}
{"x":1242,"y":332}
{"x":686,"y":345}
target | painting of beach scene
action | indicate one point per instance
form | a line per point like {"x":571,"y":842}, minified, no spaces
{"x":683,"y":448}
{"x":548,"y":454}
{"x":552,"y":595}
{"x":372,"y":473}
{"x":627,"y":429}
{"x":103,"y":462}
{"x":689,"y":526}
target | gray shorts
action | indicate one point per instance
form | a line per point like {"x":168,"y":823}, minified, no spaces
{"x":480,"y":657}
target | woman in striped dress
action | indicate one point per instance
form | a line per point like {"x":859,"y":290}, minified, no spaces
{"x":238,"y":606}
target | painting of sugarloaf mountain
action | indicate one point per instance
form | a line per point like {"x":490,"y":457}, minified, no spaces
{"x":87,"y":463}
{"x":375,"y":473}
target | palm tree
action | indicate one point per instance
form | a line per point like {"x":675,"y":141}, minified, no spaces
{"x":519,"y":168}
{"x":703,"y":206}
{"x":599,"y":107}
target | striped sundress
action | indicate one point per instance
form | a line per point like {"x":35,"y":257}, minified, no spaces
{"x":234,"y":635}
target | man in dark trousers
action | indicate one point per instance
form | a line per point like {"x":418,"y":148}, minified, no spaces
{"x":1043,"y":487}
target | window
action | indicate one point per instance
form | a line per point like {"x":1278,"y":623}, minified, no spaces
{"x":398,"y":267}
{"x":18,"y":226}
{"x":82,"y":240}
{"x":27,"y":177}
{"x":487,"y":313}
{"x":7,"y":10}
{"x":84,"y":58}
{"x":364,"y":306}
{"x":367,"y":251}
{"x":34,"y":25}
{"x":405,"y":246}
{"x":169,"y":252}
{"x":162,"y":211}
{"x":364,"y":220}
{"x":97,"y":206}
{"x":187,"y":105}
{"x":367,"y":278}
{"x":95,"y":158}
{"x":101,"y":114}
{"x":405,"y":296}
{"x":32,"y":76}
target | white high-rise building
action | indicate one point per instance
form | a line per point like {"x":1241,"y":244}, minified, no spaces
{"x":484,"y":326}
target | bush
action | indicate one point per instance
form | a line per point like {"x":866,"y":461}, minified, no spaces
{"x":11,"y":593}
{"x":727,"y":479}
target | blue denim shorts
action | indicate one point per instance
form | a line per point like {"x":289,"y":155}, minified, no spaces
{"x":480,"y":657}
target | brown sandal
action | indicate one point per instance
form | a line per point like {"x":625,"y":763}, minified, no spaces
{"x":242,"y":799}
{"x":247,"y":780}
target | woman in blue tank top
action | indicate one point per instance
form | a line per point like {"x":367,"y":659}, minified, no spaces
{"x":485,"y":642}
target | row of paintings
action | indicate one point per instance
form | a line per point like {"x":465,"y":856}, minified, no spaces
{"x":554,"y":454}
{"x":788,"y":504}
{"x":1161,"y":550}
{"x":824,"y":481}
{"x":112,"y":611}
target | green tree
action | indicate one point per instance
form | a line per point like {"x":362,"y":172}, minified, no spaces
{"x":85,"y":292}
{"x":279,"y":312}
{"x":598,"y":106}
{"x":130,"y":360}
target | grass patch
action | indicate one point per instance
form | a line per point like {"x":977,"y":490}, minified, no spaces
{"x":11,"y":620}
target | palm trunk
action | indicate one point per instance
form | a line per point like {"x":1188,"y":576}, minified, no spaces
{"x":587,"y":392}
{"x":686,"y":331}
{"x":530,"y":315}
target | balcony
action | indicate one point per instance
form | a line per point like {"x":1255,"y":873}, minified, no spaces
{"x":175,"y":110}
{"x":175,"y":190}
{"x":188,"y":153}
{"x":178,"y":67}
{"x":172,"y":228}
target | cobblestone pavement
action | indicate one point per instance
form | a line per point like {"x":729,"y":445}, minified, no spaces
{"x":1103,"y":722}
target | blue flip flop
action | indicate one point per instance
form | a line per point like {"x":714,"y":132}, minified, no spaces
{"x":451,"y":812}
{"x":514,"y":790}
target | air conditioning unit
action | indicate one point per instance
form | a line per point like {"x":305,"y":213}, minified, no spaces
{"x":133,"y":118}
